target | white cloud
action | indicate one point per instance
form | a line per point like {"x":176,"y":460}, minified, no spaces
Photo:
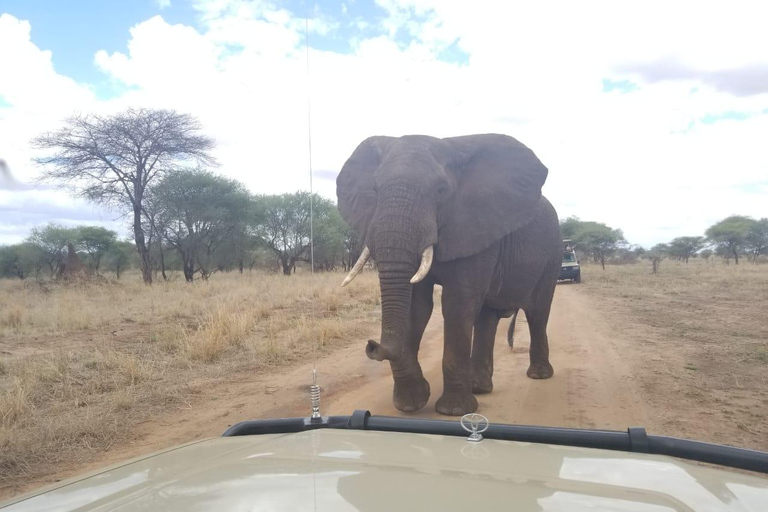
{"x":644,"y":160}
{"x":162,"y":4}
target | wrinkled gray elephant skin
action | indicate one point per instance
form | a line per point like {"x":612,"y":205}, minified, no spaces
{"x":465,"y":213}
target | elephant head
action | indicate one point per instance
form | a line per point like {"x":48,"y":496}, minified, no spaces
{"x":416,"y":198}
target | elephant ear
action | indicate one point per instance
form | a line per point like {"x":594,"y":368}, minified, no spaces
{"x":498,"y":190}
{"x":355,"y":186}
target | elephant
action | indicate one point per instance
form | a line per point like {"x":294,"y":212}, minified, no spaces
{"x":466,"y":213}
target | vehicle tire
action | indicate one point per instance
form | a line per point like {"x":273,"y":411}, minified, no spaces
{"x":578,"y":278}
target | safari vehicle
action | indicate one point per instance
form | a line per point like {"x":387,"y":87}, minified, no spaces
{"x":364,"y":462}
{"x":570,"y":267}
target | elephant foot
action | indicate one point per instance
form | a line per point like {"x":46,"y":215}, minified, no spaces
{"x":456,"y":404}
{"x":411,"y":394}
{"x":540,"y":370}
{"x":482,"y":383}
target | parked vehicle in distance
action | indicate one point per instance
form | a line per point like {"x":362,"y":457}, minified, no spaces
{"x":570,"y":268}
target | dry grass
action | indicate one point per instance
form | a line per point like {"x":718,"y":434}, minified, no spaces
{"x":81,"y":364}
{"x":698,"y":331}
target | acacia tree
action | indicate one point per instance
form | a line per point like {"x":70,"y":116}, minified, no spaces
{"x":113,"y":159}
{"x":21,"y":260}
{"x":683,"y":247}
{"x":569,"y":226}
{"x":153,"y":225}
{"x":598,"y":239}
{"x":757,"y":238}
{"x":200,"y":212}
{"x":730,"y":235}
{"x":52,"y":240}
{"x":95,"y":241}
{"x":724,"y":252}
{"x":118,"y":257}
{"x":286,"y":227}
{"x":352,"y":248}
{"x":657,"y":253}
{"x":329,"y":240}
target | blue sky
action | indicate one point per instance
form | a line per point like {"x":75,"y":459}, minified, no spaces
{"x":620,"y":119}
{"x":76,"y":34}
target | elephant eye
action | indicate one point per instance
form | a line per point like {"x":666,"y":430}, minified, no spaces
{"x":442,"y":189}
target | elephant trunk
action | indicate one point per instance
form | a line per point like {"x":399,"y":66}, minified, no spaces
{"x":394,"y":280}
{"x":401,"y":233}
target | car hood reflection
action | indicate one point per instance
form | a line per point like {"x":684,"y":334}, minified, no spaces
{"x":370,"y":471}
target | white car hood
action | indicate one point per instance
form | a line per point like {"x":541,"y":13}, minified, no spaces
{"x":348,"y":470}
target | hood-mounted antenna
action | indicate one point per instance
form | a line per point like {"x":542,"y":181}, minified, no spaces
{"x":314,"y":389}
{"x":314,"y":398}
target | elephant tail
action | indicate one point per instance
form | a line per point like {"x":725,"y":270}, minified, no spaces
{"x":511,"y":331}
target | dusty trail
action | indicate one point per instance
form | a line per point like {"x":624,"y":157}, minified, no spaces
{"x":591,"y":387}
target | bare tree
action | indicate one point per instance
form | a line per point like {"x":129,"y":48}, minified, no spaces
{"x":113,"y":159}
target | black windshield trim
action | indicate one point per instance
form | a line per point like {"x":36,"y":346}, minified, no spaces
{"x":634,"y":440}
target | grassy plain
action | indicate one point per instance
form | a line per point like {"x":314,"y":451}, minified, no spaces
{"x":696,"y":337}
{"x":82,"y":364}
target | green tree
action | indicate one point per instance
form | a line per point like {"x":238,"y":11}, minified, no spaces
{"x":21,"y":260}
{"x":114,"y":159}
{"x":730,"y":235}
{"x":95,"y":241}
{"x":724,"y":252}
{"x":286,"y":225}
{"x":330,"y":235}
{"x":154,"y":232}
{"x":706,"y":254}
{"x":757,"y":239}
{"x":655,"y":255}
{"x":569,"y":227}
{"x":200,"y":212}
{"x":597,"y":239}
{"x":52,"y":240}
{"x":261,"y":256}
{"x":120,"y":257}
{"x":353,"y":247}
{"x":9,"y":262}
{"x":684,"y":247}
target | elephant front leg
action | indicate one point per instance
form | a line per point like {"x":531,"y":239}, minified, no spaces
{"x":411,"y":391}
{"x":482,"y":350}
{"x":461,"y":306}
{"x":465,"y":284}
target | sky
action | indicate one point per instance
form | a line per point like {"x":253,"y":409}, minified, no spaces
{"x":651,"y":116}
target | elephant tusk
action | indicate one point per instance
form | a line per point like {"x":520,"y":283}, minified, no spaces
{"x":366,"y":254}
{"x":426,"y":264}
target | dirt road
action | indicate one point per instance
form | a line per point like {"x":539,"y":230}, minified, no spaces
{"x":591,"y":387}
{"x":588,"y":390}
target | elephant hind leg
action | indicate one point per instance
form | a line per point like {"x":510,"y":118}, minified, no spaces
{"x":482,"y":350}
{"x":538,"y":316}
{"x":511,"y":330}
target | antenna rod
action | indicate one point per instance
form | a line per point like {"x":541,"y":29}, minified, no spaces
{"x":314,"y":389}
{"x":309,"y":139}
